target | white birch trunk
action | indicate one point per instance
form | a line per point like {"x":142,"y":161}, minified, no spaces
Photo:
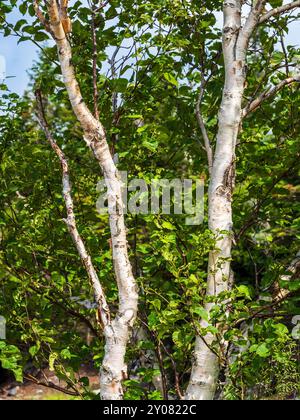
{"x":117,"y":331}
{"x":205,"y":370}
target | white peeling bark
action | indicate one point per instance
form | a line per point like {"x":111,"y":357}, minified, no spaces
{"x":117,"y":331}
{"x":205,"y":369}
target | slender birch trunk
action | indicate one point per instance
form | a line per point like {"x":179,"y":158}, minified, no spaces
{"x":100,"y":299}
{"x":205,"y":370}
{"x":116,"y":332}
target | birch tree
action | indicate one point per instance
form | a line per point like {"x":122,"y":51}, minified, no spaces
{"x":116,"y":331}
{"x":161,"y":89}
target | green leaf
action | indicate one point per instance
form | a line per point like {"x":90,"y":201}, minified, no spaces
{"x":262,"y":350}
{"x":33,"y":350}
{"x":10,"y":358}
{"x":120,"y":85}
{"x":66,"y":354}
{"x":23,"y":7}
{"x":41,"y":36}
{"x":276,"y":3}
{"x":281,"y":330}
{"x":171,"y":79}
{"x":168,"y":225}
{"x":244,"y":290}
{"x":19,"y":24}
{"x":199,"y":310}
{"x":150,"y":144}
{"x":84,"y":380}
{"x":23,"y":39}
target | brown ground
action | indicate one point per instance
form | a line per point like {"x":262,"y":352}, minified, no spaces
{"x":27,"y":390}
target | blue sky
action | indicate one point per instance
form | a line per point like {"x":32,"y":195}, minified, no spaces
{"x":19,"y":58}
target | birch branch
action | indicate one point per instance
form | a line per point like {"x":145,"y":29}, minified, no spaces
{"x":40,"y":15}
{"x":51,"y":385}
{"x":207,"y":145}
{"x":103,"y":310}
{"x":250,"y":24}
{"x":253,"y":105}
{"x":95,"y":56}
{"x":279,"y":10}
{"x":286,"y":59}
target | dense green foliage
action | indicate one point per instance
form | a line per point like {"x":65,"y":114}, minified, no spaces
{"x":162,"y":47}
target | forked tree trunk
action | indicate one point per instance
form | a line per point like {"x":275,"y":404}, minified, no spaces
{"x":205,"y":370}
{"x":116,"y":331}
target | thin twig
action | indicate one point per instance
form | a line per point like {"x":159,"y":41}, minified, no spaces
{"x":256,"y":103}
{"x":286,"y":60}
{"x":51,"y":385}
{"x":95,"y":57}
{"x":207,"y":145}
{"x":177,"y":381}
{"x":279,"y":10}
